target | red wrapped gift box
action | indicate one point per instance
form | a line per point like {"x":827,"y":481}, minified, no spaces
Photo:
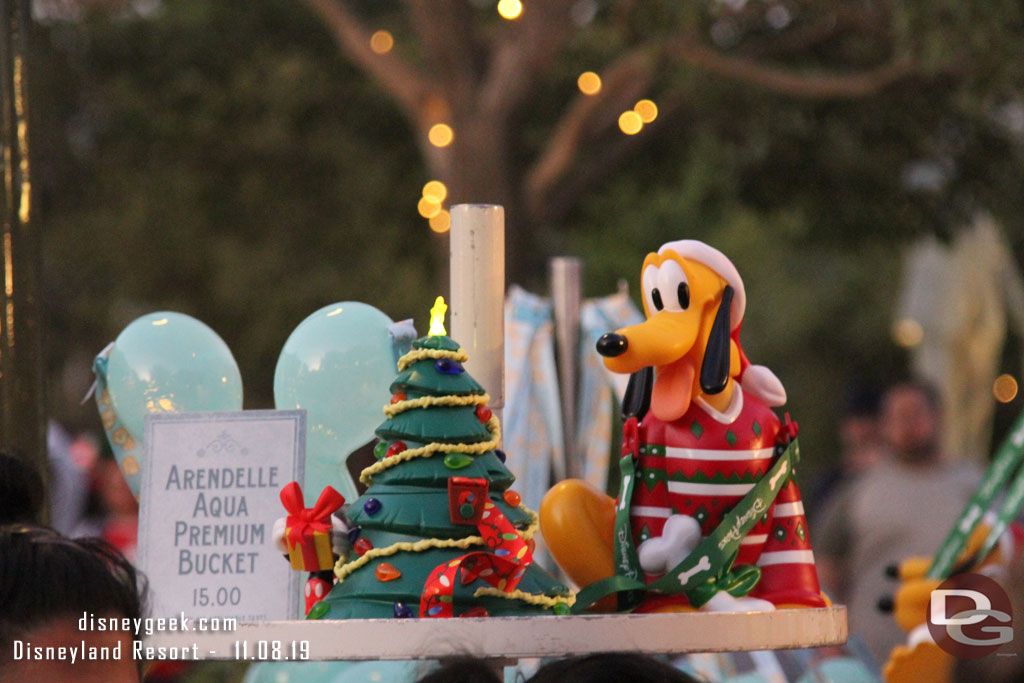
{"x":308,"y":530}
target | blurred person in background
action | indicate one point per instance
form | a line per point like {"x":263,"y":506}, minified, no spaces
{"x":111,"y":511}
{"x":71,"y":459}
{"x":860,"y":443}
{"x":903,"y":506}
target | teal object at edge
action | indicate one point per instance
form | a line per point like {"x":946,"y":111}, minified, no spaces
{"x":337,"y":365}
{"x":164,"y":362}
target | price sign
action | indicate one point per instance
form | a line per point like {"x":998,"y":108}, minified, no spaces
{"x":209,"y":498}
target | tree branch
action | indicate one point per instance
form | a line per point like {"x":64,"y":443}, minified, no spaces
{"x":621,"y":84}
{"x":523,"y":52}
{"x":409,"y":87}
{"x":806,"y":85}
{"x":562,"y":197}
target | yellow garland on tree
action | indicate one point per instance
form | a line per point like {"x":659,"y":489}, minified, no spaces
{"x":344,"y":570}
{"x":428,"y":401}
{"x":534,"y":524}
{"x":420,"y":354}
{"x":531,"y":598}
{"x":366,"y":476}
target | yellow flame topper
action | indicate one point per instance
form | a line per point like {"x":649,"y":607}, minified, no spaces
{"x":437,"y":318}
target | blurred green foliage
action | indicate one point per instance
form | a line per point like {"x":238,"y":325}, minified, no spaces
{"x":224,"y":160}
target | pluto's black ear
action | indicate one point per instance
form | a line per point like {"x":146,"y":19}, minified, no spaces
{"x":714,"y":370}
{"x":637,"y":400}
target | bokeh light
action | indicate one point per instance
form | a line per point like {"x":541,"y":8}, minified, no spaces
{"x":589,"y":83}
{"x":428,"y":207}
{"x":907,"y":332}
{"x":1005,"y":388}
{"x":435,"y":190}
{"x":441,"y":222}
{"x":509,"y":9}
{"x":630,"y":122}
{"x":381,"y":42}
{"x":647,"y":110}
{"x":441,"y":135}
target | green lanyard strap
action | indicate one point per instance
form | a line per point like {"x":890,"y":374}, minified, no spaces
{"x":1007,"y":513}
{"x":1004,"y":463}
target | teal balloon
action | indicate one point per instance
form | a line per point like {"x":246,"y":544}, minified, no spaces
{"x":337,"y":365}
{"x":165,"y":362}
{"x":841,"y":670}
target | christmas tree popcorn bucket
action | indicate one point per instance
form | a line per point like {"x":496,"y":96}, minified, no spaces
{"x":438,"y":532}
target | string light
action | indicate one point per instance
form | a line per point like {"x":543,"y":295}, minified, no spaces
{"x":381,"y":42}
{"x":907,"y":332}
{"x":441,"y":222}
{"x":428,"y":207}
{"x":510,"y":9}
{"x":630,"y":122}
{"x":589,"y":83}
{"x":647,"y":110}
{"x":440,"y":135}
{"x":435,"y":190}
{"x":1005,"y":388}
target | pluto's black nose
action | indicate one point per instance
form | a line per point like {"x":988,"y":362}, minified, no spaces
{"x":612,"y":345}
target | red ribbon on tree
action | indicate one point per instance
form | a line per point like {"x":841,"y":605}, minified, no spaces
{"x":303,"y":523}
{"x":502,"y":565}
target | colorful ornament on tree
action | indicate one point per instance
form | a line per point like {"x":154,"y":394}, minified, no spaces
{"x":456,"y":461}
{"x":448,"y":525}
{"x":466,"y":499}
{"x":448,"y":366}
{"x":386,"y":572}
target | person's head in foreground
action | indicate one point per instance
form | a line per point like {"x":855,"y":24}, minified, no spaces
{"x":47,"y":583}
{"x":605,"y":667}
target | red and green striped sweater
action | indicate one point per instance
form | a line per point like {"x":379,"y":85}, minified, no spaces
{"x":702,"y":465}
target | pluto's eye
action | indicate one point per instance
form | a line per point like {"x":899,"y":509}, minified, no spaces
{"x":683,"y":292}
{"x":675,"y":290}
{"x":652,"y":297}
{"x":656,"y":298}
